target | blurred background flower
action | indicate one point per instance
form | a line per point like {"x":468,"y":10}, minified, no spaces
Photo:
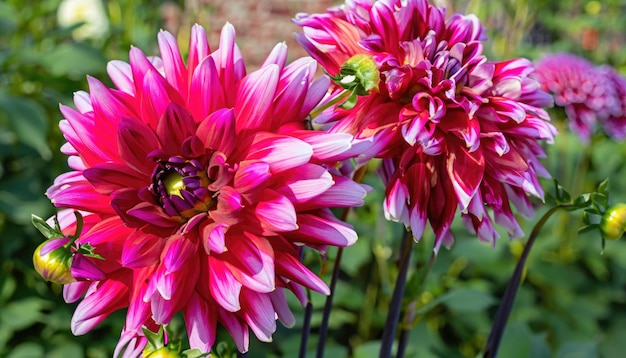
{"x":88,"y":18}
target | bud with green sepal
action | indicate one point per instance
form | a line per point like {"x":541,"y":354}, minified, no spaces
{"x":613,"y":222}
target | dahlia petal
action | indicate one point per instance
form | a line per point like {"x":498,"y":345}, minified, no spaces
{"x":218,"y":131}
{"x":201,"y":323}
{"x":110,"y":296}
{"x":72,"y":190}
{"x":229,"y":62}
{"x":122,"y":76}
{"x":276,"y":212}
{"x":256,"y":270}
{"x":84,"y":326}
{"x":259,"y":314}
{"x":279,"y":302}
{"x":214,"y":236}
{"x":317,"y":91}
{"x":198,"y":48}
{"x":155,"y":96}
{"x":141,"y":249}
{"x":237,"y":329}
{"x":278,"y":56}
{"x":280,"y":152}
{"x":177,"y":252}
{"x":254,"y":99}
{"x":251,"y":176}
{"x":152,"y":214}
{"x":223,"y":285}
{"x":79,"y":130}
{"x":108,"y":109}
{"x":396,"y":200}
{"x":175,"y":70}
{"x":323,"y":229}
{"x":53,"y":244}
{"x":466,"y":172}
{"x":73,"y":291}
{"x":286,"y":104}
{"x":208,"y":92}
{"x":109,"y":177}
{"x":344,"y":193}
{"x":84,"y":269}
{"x":173,"y":291}
{"x":135,"y":141}
{"x":174,"y":127}
{"x":229,"y":205}
{"x":82,"y":100}
{"x":289,"y":267}
{"x":305,"y":183}
{"x":327,"y":147}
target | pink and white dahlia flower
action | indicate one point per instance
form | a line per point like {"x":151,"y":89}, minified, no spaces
{"x":454,"y":129}
{"x":586,"y":92}
{"x":199,"y":186}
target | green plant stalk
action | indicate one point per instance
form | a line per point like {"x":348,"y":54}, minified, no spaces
{"x":338,"y":98}
{"x":393,"y":315}
{"x":410,"y":316}
{"x":508,"y":298}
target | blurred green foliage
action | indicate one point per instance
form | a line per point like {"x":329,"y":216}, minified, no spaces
{"x":571,"y":304}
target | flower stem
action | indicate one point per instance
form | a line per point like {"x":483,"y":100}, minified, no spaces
{"x":508,"y":298}
{"x":395,"y":306}
{"x":410,"y":316}
{"x":328,"y":305}
{"x":338,"y":98}
{"x":306,"y":329}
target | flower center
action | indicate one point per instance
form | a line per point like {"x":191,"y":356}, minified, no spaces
{"x":180,"y":186}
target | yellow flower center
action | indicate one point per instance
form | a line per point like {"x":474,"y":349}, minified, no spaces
{"x":173,"y":183}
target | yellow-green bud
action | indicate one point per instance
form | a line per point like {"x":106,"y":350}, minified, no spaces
{"x":163,"y":352}
{"x":613,"y":222}
{"x":359,"y":74}
{"x":54,"y":266}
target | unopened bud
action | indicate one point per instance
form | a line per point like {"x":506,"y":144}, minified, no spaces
{"x":613,"y":222}
{"x":54,"y":266}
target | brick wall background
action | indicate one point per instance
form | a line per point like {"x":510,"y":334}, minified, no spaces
{"x":259,"y":24}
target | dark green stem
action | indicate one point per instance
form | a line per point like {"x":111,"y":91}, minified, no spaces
{"x":508,"y":298}
{"x":395,"y":305}
{"x":410,"y":316}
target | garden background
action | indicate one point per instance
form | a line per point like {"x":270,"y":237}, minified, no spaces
{"x":572,"y":302}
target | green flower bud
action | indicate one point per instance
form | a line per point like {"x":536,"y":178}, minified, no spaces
{"x":613,"y":222}
{"x":163,"y":352}
{"x":359,"y":74}
{"x":54,"y":266}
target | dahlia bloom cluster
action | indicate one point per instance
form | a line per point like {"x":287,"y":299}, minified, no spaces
{"x":592,"y":96}
{"x":454,"y":130}
{"x":199,"y":187}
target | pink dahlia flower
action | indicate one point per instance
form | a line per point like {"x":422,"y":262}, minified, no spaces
{"x":614,"y":125}
{"x":200,"y":186}
{"x":584,"y":91}
{"x":455,"y":130}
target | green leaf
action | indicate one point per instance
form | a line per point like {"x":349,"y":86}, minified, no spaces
{"x":28,"y":121}
{"x":27,"y":350}
{"x":75,"y":60}
{"x":21,"y":314}
{"x":461,"y":300}
{"x":577,"y":350}
{"x":46,"y":230}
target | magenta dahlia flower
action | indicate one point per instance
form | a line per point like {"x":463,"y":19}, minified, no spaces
{"x":614,"y":125}
{"x":199,"y":186}
{"x":455,"y":130}
{"x":584,"y":91}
